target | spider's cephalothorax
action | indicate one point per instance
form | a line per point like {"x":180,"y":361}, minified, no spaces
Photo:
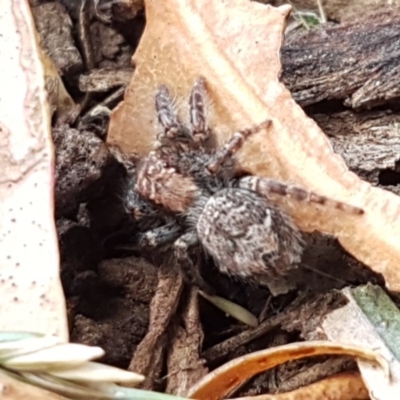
{"x":232,"y":219}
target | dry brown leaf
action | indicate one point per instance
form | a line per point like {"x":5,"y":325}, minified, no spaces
{"x":346,"y":386}
{"x":235,"y":45}
{"x":224,"y":380}
{"x":12,"y":389}
{"x":31,"y":295}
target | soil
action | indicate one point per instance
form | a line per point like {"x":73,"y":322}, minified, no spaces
{"x":127,"y":302}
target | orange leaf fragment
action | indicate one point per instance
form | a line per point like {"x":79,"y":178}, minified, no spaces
{"x":220,"y":383}
{"x":235,"y":45}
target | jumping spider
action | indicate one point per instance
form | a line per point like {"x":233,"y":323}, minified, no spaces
{"x":209,"y":207}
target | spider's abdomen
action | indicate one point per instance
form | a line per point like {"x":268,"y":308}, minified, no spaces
{"x":248,"y":236}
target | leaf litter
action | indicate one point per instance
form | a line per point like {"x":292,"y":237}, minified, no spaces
{"x":236,"y":48}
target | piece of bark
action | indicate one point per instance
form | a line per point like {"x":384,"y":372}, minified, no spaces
{"x":185,"y":367}
{"x":367,"y":141}
{"x":88,"y":156}
{"x":149,"y":355}
{"x":379,"y":150}
{"x":306,"y":313}
{"x":112,"y":308}
{"x":338,"y":10}
{"x":103,"y":80}
{"x":122,"y":10}
{"x":226,"y":349}
{"x":298,"y":375}
{"x":357,"y":63}
{"x":54,"y":27}
{"x":109,"y":47}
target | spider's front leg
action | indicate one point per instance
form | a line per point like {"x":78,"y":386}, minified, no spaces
{"x":182,"y":255}
{"x":265,"y":187}
{"x":166,"y":114}
{"x":173,"y":131}
{"x":233,"y":145}
{"x":197,"y":108}
{"x":173,"y":134}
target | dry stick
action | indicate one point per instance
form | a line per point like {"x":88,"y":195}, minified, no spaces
{"x":148,"y":357}
{"x":223,"y":349}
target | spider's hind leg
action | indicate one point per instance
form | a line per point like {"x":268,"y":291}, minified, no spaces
{"x":265,"y":187}
{"x":158,"y":237}
{"x":190,"y":270}
{"x":152,"y":239}
{"x":233,"y":145}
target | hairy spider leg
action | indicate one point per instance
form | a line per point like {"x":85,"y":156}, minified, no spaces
{"x":174,"y":134}
{"x":157,"y":237}
{"x":166,"y":114}
{"x":197,"y":101}
{"x":233,"y":145}
{"x":265,"y":187}
{"x":191,"y":271}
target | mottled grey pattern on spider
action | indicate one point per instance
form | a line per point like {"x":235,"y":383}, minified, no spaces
{"x":233,"y":219}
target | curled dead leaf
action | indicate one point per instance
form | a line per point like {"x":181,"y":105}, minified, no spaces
{"x":227,"y":378}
